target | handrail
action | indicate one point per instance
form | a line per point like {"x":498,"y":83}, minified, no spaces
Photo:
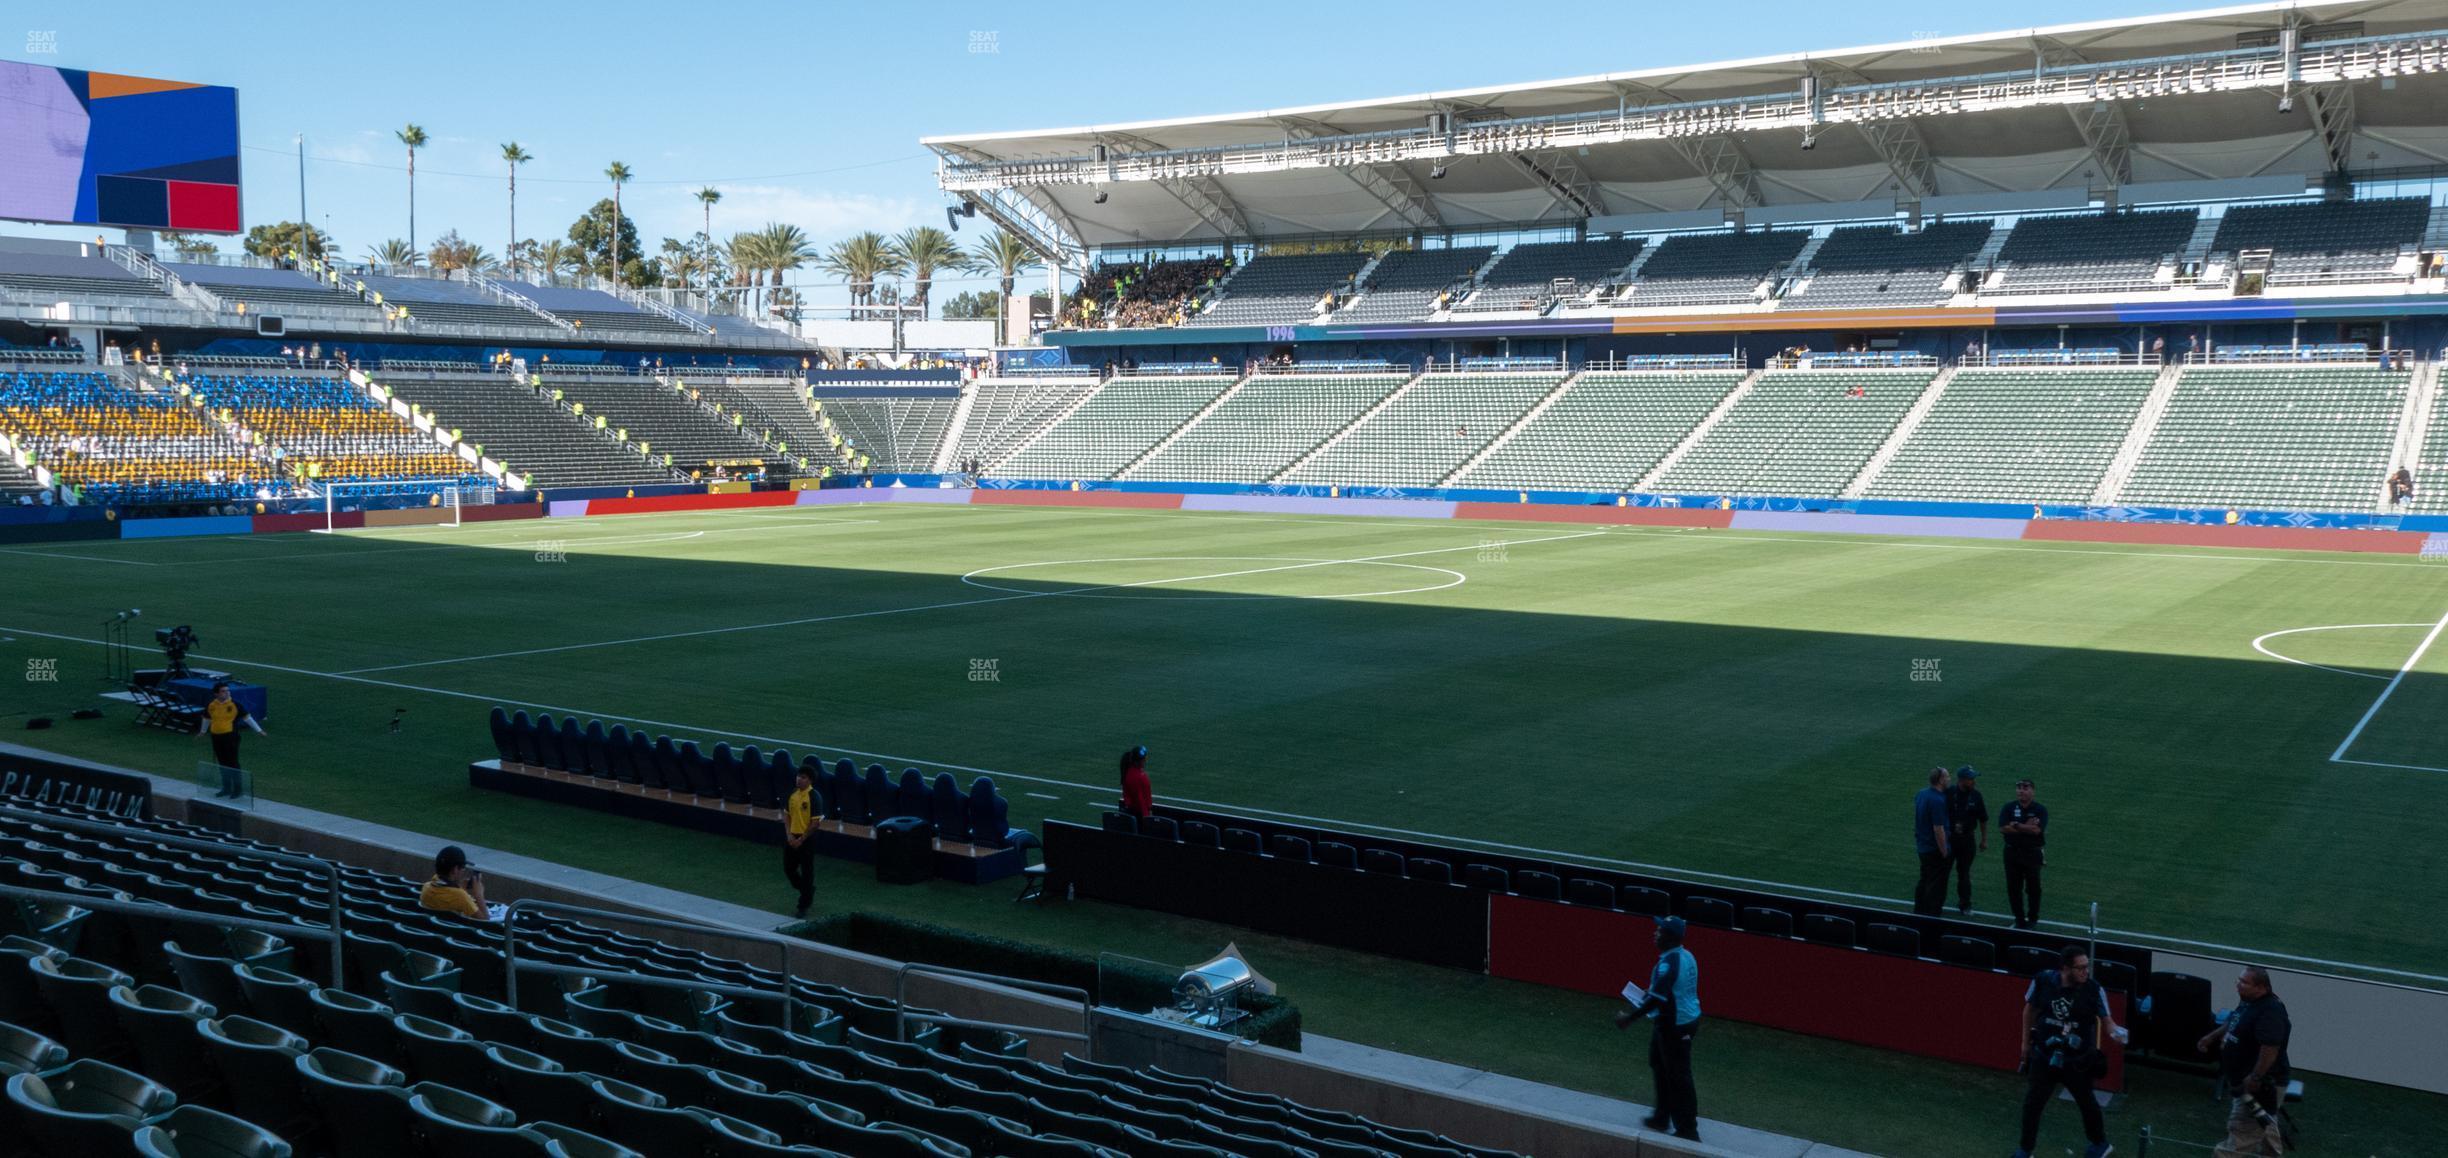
{"x":650,"y":305}
{"x":511,"y":966}
{"x":174,"y":913}
{"x":330,"y":868}
{"x":902,"y":1015}
{"x":518,"y":299}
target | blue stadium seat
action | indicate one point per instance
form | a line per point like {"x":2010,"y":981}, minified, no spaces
{"x":1897,"y":940}
{"x":845,"y":799}
{"x":728,"y":783}
{"x":1289,"y":847}
{"x":1201,"y":833}
{"x":663,"y":767}
{"x":547,"y":741}
{"x":781,"y":772}
{"x":1385,"y":862}
{"x":1487,"y":877}
{"x":1121,"y":824}
{"x":1595,"y":894}
{"x":1969,"y":952}
{"x":989,"y":815}
{"x":1773,"y":922}
{"x":1432,"y":870}
{"x":598,"y":762}
{"x":573,"y":746}
{"x":523,"y":739}
{"x":697,"y":771}
{"x":1241,"y":840}
{"x":1336,"y":854}
{"x":618,"y":753}
{"x":1538,"y":886}
{"x":504,"y":744}
{"x":878,"y":790}
{"x":948,"y":810}
{"x":910,"y":797}
{"x":1160,"y":828}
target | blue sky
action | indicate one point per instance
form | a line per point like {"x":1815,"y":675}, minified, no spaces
{"x":811,"y":112}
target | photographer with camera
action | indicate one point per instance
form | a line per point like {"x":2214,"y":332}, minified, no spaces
{"x":457,"y":889}
{"x":2065,"y":1017}
{"x":1672,"y":1005}
{"x":2253,"y":1064}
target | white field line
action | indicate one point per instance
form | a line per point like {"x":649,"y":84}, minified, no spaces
{"x":511,"y":539}
{"x":2390,"y":690}
{"x":804,"y":621}
{"x":2379,"y":764}
{"x":2257,"y":641}
{"x":1096,"y":790}
{"x":82,"y":558}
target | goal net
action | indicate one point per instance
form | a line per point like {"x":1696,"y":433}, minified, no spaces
{"x":400,"y":502}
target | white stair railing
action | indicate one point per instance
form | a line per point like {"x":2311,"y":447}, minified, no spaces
{"x":1506,"y":435}
{"x":1715,"y":415}
{"x":1187,"y":423}
{"x":1902,"y":433}
{"x":141,"y":264}
{"x":650,"y":305}
{"x":2145,"y":425}
{"x":512,"y":297}
{"x":1366,"y":416}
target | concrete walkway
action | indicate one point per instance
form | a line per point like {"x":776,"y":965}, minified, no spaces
{"x":411,"y":854}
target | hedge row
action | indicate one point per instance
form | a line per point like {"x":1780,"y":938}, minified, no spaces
{"x":1124,"y":985}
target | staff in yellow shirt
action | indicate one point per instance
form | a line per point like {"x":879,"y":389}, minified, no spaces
{"x":798,"y":843}
{"x":220,"y":723}
{"x":456,"y":889}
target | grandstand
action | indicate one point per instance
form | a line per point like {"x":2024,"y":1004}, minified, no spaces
{"x":1429,"y":430}
{"x":890,"y":428}
{"x":1008,"y":413}
{"x":1409,"y":283}
{"x":521,"y":427}
{"x":1606,"y":432}
{"x":2091,"y":252}
{"x":1113,"y":426}
{"x":673,"y":427}
{"x":1263,"y":425}
{"x":1797,"y":432}
{"x":1277,"y":288}
{"x":1715,"y":268}
{"x":2041,"y":435}
{"x":2279,"y":436}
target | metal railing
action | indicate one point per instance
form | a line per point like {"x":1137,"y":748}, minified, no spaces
{"x":902,"y":1015}
{"x":513,"y":297}
{"x":652,"y":306}
{"x":334,"y":932}
{"x":511,"y":965}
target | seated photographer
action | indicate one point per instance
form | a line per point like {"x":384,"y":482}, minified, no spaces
{"x":457,"y":888}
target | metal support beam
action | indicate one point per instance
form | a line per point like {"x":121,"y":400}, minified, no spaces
{"x":1386,"y":182}
{"x":2333,"y":117}
{"x":1027,"y":212}
{"x":1201,"y":194}
{"x":1725,"y":165}
{"x":2101,"y":122}
{"x":1897,"y":141}
{"x":1561,"y":176}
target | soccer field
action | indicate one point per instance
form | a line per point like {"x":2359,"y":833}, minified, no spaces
{"x":2239,"y":749}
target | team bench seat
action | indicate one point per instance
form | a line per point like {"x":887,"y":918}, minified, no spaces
{"x":741,"y":792}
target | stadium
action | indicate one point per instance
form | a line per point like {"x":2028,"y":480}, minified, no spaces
{"x":1356,"y":605}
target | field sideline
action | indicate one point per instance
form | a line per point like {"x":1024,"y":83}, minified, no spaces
{"x":1747,"y":707}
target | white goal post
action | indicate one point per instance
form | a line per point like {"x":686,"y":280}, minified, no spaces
{"x":401,"y":502}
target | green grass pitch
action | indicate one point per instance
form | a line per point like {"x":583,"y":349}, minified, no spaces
{"x":1741,"y":706}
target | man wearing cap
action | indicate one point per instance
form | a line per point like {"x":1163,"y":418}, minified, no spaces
{"x":1672,"y":1006}
{"x":456,"y":889}
{"x":2024,"y":825}
{"x":1967,"y":832}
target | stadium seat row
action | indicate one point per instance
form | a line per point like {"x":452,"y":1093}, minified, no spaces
{"x":748,"y":776}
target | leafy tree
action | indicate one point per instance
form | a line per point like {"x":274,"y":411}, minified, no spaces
{"x":556,"y":257}
{"x":602,"y":236}
{"x":452,"y":251}
{"x":277,"y":239}
{"x":981,"y":304}
{"x":189,"y":246}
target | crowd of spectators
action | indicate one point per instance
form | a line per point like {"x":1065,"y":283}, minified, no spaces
{"x":1137,"y":295}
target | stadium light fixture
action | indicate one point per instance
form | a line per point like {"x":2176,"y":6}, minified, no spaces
{"x":1436,"y":172}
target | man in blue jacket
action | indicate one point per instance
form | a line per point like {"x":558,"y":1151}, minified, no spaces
{"x":1930,"y":841}
{"x":1672,"y":1006}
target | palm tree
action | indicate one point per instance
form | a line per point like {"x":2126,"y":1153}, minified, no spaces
{"x":1006,"y":255}
{"x":557,"y":256}
{"x":414,"y":137}
{"x":859,"y":260}
{"x":783,"y":248}
{"x":707,"y":197}
{"x":927,"y":249}
{"x":395,"y":253}
{"x":619,"y":173}
{"x":745,"y":252}
{"x":515,"y":156}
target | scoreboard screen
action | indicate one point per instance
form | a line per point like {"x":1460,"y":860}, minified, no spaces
{"x":99,"y":148}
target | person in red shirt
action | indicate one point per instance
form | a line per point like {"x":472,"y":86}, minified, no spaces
{"x":1138,"y":797}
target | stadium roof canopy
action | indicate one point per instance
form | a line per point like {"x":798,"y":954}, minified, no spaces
{"x":2007,"y":121}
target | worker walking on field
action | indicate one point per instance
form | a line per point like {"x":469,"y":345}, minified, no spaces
{"x":1672,"y":1005}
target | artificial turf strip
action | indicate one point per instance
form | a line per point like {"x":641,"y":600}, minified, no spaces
{"x":1735,"y":704}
